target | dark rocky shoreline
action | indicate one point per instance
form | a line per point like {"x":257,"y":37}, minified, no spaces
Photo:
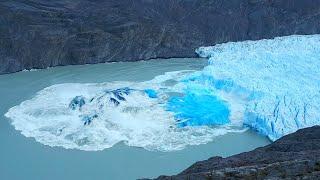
{"x":41,"y":33}
{"x":295,"y":156}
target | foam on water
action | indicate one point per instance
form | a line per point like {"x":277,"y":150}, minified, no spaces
{"x":97,"y":116}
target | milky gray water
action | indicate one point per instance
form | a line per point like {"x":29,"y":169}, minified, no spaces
{"x":25,"y":158}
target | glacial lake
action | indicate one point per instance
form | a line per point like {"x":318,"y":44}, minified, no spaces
{"x":25,"y":158}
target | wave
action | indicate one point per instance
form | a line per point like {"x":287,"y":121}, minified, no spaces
{"x":97,"y":116}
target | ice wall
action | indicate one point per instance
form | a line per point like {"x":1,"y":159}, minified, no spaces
{"x":278,"y":80}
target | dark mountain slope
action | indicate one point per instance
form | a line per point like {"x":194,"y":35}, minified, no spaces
{"x":41,"y":33}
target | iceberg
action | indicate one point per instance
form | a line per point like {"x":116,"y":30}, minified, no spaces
{"x":276,"y":80}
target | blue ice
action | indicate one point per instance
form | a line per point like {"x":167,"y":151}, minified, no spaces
{"x":151,"y":93}
{"x":198,"y":107}
{"x":277,"y":81}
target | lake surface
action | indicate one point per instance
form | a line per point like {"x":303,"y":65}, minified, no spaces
{"x":24,"y":158}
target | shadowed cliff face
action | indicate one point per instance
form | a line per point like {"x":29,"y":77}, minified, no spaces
{"x":41,"y":33}
{"x":295,"y":156}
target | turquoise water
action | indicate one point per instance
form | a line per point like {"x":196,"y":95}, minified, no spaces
{"x":24,"y":158}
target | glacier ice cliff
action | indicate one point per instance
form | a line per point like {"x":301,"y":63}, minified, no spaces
{"x":277,"y":81}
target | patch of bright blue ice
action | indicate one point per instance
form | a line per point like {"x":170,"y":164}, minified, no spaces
{"x":151,"y":93}
{"x":198,"y":107}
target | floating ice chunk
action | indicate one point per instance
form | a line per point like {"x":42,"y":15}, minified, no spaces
{"x":88,"y":119}
{"x":77,"y":102}
{"x":114,"y":101}
{"x":151,"y":93}
{"x":29,"y":70}
{"x":278,"y":79}
{"x":120,"y":93}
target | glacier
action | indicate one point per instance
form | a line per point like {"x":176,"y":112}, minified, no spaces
{"x":276,"y":80}
{"x":271,"y":86}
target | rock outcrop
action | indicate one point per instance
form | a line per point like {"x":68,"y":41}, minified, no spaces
{"x":41,"y":33}
{"x":295,"y":156}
